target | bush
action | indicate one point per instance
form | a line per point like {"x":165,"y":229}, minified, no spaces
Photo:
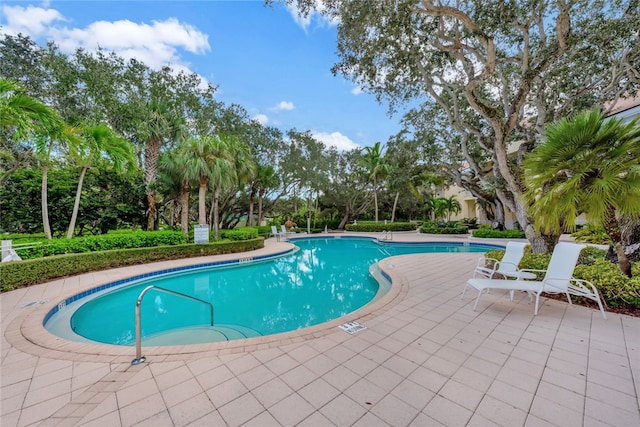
{"x":103,"y":242}
{"x":430,"y":228}
{"x":17,"y":274}
{"x":591,"y":233}
{"x":471,"y":223}
{"x":381,"y":226}
{"x":243,"y":233}
{"x":489,"y":233}
{"x":23,"y":237}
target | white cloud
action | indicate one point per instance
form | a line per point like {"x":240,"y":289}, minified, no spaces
{"x":261,"y":118}
{"x":30,"y":20}
{"x":356,"y":90}
{"x":335,"y":139}
{"x":155,"y":44}
{"x":316,"y":12}
{"x":285,"y":105}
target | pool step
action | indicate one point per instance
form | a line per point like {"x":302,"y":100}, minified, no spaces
{"x":200,"y":335}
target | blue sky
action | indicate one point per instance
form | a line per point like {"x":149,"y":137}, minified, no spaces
{"x":267,"y":59}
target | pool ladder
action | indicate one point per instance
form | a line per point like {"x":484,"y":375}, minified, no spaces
{"x":385,"y":235}
{"x":139,"y":357}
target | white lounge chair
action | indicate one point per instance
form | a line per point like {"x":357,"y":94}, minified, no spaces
{"x":277,"y":234}
{"x":507,"y":267}
{"x":284,"y":231}
{"x":558,"y":279}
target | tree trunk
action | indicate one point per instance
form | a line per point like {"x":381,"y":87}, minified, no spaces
{"x":252,"y":197}
{"x":151,"y":219}
{"x":375,"y":200}
{"x":395,"y":205}
{"x":202,"y":201}
{"x":259,"y":209}
{"x":216,"y":213}
{"x":76,"y":205}
{"x":45,"y":204}
{"x":499,"y":214}
{"x":344,"y":221}
{"x":612,"y":227}
{"x":151,"y":155}
{"x":184,"y":213}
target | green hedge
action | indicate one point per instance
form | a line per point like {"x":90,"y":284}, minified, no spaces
{"x":434,"y":229}
{"x":616,"y":289}
{"x":489,"y":233}
{"x":244,"y":233}
{"x":103,"y":242}
{"x":381,"y":226}
{"x":17,"y":274}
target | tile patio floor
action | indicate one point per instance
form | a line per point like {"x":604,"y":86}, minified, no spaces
{"x":425,"y":359}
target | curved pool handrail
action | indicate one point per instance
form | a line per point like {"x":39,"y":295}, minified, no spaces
{"x":139,"y":357}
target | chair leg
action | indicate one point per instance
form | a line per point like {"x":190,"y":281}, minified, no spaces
{"x":535,"y":312}
{"x":477,"y":300}
{"x":569,"y":299}
{"x":466,"y":285}
{"x":597,"y":298}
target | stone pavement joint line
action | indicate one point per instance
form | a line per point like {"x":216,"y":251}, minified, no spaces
{"x":425,"y":358}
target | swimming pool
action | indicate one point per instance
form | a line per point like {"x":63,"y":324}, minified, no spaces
{"x":326,"y":278}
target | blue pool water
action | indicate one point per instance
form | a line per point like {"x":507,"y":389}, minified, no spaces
{"x":325,"y":279}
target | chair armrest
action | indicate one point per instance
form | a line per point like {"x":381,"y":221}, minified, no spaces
{"x":482,"y":261}
{"x":580,"y":287}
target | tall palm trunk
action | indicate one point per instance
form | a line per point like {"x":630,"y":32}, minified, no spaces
{"x":45,"y":204}
{"x":216,"y":213}
{"x":151,"y":156}
{"x":76,"y":204}
{"x":202,"y":199}
{"x":252,"y":198}
{"x":395,"y":205}
{"x":184,"y":212}
{"x":375,"y":198}
{"x":259,"y":208}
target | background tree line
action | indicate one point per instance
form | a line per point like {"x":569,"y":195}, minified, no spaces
{"x":108,"y":128}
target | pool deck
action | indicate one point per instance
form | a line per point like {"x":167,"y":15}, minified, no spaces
{"x":425,"y":359}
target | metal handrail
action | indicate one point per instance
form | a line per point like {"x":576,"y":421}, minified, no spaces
{"x":139,"y":357}
{"x":386,"y":235}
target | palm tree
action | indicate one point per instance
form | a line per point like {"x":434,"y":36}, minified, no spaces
{"x":159,"y":125}
{"x":22,"y":117}
{"x":376,"y":168}
{"x":451,"y":205}
{"x":201,"y":157}
{"x":262,"y":180}
{"x":98,"y":144}
{"x":234,"y":166}
{"x":62,"y":134}
{"x":586,"y":164}
{"x":173,"y":167}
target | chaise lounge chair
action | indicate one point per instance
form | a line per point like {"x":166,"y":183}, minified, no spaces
{"x":277,"y":234}
{"x":284,"y":230}
{"x":507,"y":267}
{"x":558,"y":279}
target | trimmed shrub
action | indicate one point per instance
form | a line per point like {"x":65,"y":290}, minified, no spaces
{"x":381,"y":226}
{"x":104,"y":242}
{"x":244,"y":233}
{"x":430,"y":228}
{"x":18,"y":274}
{"x":489,"y":233}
